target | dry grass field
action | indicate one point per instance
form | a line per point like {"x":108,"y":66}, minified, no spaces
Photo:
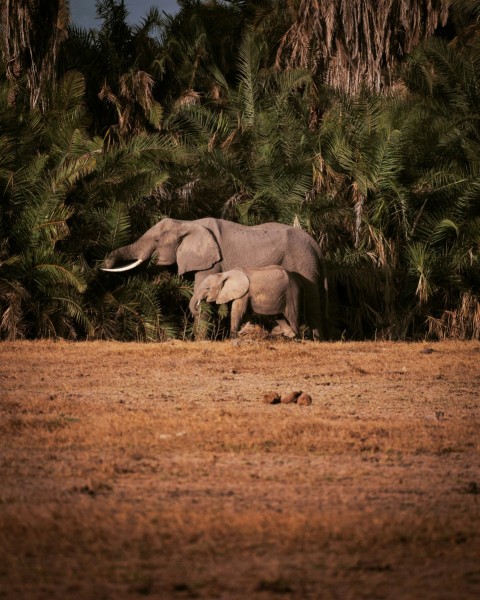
{"x":133,"y":470}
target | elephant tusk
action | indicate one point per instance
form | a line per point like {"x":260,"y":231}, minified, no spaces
{"x":127,"y":268}
{"x":197,"y":304}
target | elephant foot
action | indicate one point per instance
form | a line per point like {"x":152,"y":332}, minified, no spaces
{"x":283,"y":329}
{"x":253,"y":332}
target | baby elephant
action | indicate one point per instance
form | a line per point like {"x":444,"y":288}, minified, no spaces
{"x":267,"y":291}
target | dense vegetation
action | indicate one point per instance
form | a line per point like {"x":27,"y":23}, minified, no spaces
{"x":250,"y":111}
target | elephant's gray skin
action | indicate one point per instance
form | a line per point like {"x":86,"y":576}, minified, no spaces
{"x":267,"y":291}
{"x":209,"y":245}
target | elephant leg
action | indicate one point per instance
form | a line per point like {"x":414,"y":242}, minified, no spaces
{"x":292,"y":306}
{"x":292,"y":318}
{"x":238,"y":310}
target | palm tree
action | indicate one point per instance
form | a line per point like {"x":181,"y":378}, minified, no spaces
{"x":446,"y":262}
{"x":120,"y":66}
{"x":41,"y":286}
{"x":250,"y":143}
{"x":361,"y":210}
{"x":401,"y":177}
{"x":200,"y":34}
{"x":66,"y":202}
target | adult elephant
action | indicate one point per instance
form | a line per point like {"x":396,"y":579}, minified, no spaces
{"x":209,"y":245}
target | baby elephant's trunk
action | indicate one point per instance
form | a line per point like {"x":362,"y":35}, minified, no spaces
{"x":194,"y":305}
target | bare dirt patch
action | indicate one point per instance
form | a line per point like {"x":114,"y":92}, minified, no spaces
{"x":130,"y":470}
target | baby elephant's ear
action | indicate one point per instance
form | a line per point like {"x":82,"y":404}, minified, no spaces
{"x":235,"y":286}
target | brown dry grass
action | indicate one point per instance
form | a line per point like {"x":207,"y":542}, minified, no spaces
{"x":130,"y":470}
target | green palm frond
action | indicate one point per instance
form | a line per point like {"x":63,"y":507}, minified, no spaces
{"x":39,"y":211}
{"x":444,"y":231}
{"x":115,"y":227}
{"x":43,"y":289}
{"x":51,"y":270}
{"x":7,"y":154}
{"x":74,"y":316}
{"x":72,"y":169}
{"x":249,"y":57}
{"x":132,"y":312}
{"x":69,"y":93}
{"x":421,"y":269}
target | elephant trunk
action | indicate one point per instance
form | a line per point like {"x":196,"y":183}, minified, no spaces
{"x":195,"y":303}
{"x":121,"y":255}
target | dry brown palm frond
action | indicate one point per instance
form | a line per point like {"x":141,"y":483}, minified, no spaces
{"x":230,"y":206}
{"x":188,"y":98}
{"x":359,"y":203}
{"x":13,"y":326}
{"x":461,"y":323}
{"x":134,"y":102}
{"x":352,"y":44}
{"x":229,"y":140}
{"x":31,"y":32}
{"x":107,"y":94}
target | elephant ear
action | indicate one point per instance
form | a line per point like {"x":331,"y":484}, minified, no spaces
{"x":198,"y":250}
{"x":236,"y":285}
